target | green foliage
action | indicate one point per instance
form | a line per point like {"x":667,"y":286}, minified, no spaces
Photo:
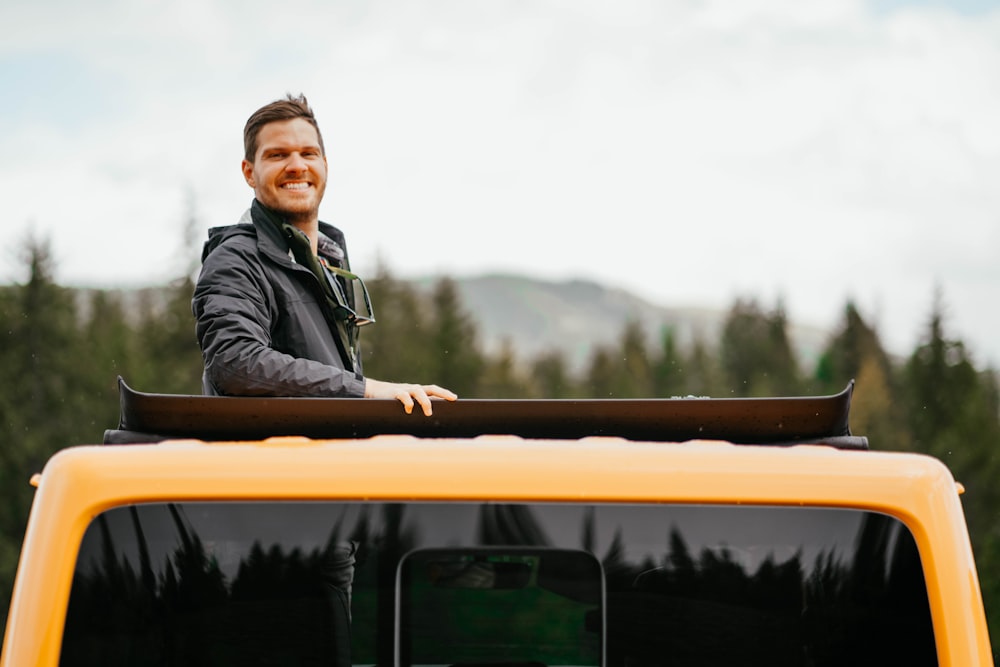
{"x":397,"y":345}
{"x":942,"y":388}
{"x":953,"y":410}
{"x":501,"y":376}
{"x":625,"y":371}
{"x":599,"y":381}
{"x":416,"y":339}
{"x":551,"y":376}
{"x":164,"y":353}
{"x":703,"y":377}
{"x":856,"y":353}
{"x":756,"y":357}
{"x":668,"y":371}
{"x":43,"y":389}
{"x":454,"y":346}
{"x":61,"y":353}
{"x":634,"y":376}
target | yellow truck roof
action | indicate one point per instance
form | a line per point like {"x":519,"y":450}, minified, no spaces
{"x":79,"y":483}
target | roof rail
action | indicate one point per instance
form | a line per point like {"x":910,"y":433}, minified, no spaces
{"x":147,"y":417}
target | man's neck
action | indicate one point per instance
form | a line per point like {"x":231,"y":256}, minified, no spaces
{"x":309,"y":227}
{"x":307,"y":224}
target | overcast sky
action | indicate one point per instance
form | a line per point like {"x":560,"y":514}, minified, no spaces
{"x":812,"y":151}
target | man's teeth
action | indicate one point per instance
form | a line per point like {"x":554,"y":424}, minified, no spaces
{"x":295,"y":186}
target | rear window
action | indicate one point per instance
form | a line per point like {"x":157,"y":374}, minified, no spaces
{"x":334,"y":583}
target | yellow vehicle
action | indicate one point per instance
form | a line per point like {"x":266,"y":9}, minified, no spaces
{"x":538,"y":543}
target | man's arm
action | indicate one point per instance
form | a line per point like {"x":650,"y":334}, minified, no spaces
{"x":234,"y":306}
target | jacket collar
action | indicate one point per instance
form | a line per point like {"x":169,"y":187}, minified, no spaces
{"x":271,"y":238}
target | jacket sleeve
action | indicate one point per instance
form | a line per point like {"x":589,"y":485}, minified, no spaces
{"x":234,"y":307}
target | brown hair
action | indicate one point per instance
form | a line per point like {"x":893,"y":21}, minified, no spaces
{"x":286,"y":109}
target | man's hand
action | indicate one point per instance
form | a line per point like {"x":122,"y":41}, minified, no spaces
{"x":408,"y":393}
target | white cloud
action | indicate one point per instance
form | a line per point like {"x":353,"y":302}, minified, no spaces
{"x":692,"y":151}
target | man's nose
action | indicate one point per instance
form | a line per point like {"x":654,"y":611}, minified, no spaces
{"x":296,"y":163}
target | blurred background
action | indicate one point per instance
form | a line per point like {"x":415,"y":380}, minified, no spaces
{"x":548,"y":199}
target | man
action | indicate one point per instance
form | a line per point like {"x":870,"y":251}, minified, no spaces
{"x":277,"y":308}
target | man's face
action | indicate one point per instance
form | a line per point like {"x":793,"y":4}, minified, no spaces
{"x":288,"y":172}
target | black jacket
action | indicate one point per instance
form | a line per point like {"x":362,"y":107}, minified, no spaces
{"x":263,"y":322}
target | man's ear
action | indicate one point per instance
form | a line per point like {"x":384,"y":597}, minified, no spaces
{"x":247,"y":167}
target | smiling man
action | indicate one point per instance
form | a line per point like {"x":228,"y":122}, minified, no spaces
{"x":278,"y":310}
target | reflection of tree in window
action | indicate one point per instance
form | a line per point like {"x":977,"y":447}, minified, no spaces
{"x":148,"y":588}
{"x":189,"y":615}
{"x":510,"y":525}
{"x":710,"y":610}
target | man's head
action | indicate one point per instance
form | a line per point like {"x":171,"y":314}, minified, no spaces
{"x":285,"y":161}
{"x":286,"y":109}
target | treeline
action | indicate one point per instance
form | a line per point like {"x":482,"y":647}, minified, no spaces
{"x":63,"y":349}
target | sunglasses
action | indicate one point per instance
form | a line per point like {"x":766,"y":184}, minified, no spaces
{"x":361,"y":313}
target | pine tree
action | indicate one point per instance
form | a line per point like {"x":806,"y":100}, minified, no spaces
{"x":875,"y":413}
{"x":784,"y":371}
{"x":633,"y":375}
{"x":669,"y":378}
{"x":702,"y":372}
{"x":953,"y":414}
{"x":43,"y":392}
{"x":112,"y":353}
{"x":166,"y":357}
{"x":501,"y":377}
{"x":623,"y":370}
{"x":756,"y":356}
{"x":942,"y":387}
{"x":458,"y":363}
{"x":550,"y":377}
{"x":397,"y":346}
{"x":856,"y":353}
{"x":600,"y":377}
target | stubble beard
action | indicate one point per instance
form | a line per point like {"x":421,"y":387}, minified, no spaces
{"x":300,"y":213}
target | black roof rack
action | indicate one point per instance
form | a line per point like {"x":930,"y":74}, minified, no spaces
{"x":149,"y":417}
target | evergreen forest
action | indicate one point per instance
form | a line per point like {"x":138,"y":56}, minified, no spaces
{"x":64,"y":348}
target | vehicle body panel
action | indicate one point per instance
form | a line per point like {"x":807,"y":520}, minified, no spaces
{"x":81,"y":482}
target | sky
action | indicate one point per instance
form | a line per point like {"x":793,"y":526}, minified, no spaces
{"x":801,"y":152}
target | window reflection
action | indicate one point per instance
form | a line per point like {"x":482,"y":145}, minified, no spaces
{"x":316,"y":583}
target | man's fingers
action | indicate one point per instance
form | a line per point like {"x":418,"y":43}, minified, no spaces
{"x":440,"y":392}
{"x":408,"y":393}
{"x":403,"y":396}
{"x":422,"y":394}
{"x":423,"y":399}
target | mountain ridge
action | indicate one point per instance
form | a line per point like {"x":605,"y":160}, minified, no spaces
{"x":575,"y":316}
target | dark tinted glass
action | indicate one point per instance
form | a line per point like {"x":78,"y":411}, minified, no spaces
{"x":473,"y":583}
